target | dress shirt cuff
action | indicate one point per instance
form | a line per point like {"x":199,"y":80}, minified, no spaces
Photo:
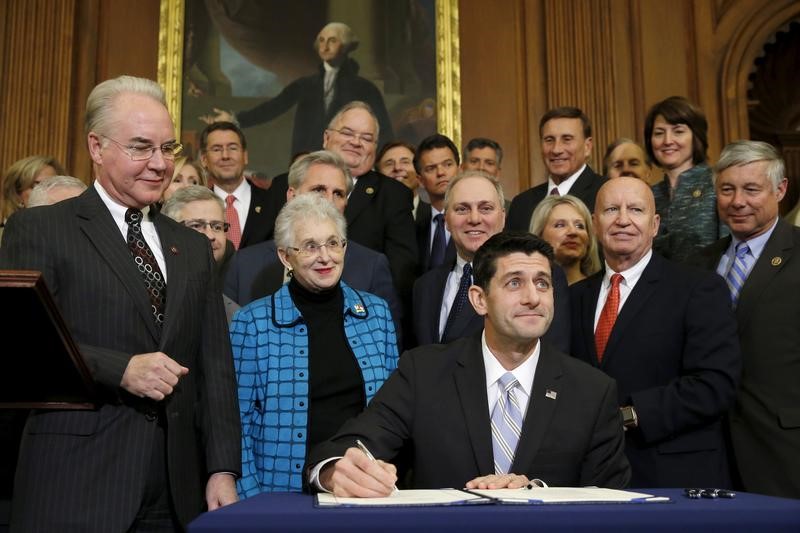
{"x":235,"y":476}
{"x":313,"y":476}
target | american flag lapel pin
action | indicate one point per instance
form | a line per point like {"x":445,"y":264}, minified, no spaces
{"x":551,"y":394}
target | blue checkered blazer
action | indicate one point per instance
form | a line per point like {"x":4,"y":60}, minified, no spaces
{"x":270,"y":348}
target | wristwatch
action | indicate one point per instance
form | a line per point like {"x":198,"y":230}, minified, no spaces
{"x":629,"y":418}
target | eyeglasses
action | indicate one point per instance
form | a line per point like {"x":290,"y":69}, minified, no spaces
{"x":217,"y":149}
{"x":197,"y":224}
{"x":143,"y":152}
{"x":311,"y":248}
{"x":350,"y":135}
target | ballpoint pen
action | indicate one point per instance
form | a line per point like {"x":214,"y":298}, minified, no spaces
{"x":369,"y":456}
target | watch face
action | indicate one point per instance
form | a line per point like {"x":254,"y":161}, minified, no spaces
{"x":628,"y":416}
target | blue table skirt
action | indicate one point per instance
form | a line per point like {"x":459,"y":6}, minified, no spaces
{"x":296,"y":512}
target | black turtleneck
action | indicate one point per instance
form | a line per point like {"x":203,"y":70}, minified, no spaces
{"x":335,"y":384}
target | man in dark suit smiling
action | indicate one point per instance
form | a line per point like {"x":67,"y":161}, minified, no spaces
{"x":138,"y":292}
{"x":665,"y":332}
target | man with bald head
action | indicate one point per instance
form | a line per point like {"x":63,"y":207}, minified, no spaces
{"x":666,"y":333}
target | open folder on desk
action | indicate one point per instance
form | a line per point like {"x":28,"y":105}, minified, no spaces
{"x":534,"y":496}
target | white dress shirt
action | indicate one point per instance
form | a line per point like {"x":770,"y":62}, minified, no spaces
{"x":450,"y":291}
{"x":243,"y":194}
{"x":566,"y":185}
{"x":524,"y":374}
{"x":631,"y":276}
{"x":148,"y":228}
{"x":756,"y":246}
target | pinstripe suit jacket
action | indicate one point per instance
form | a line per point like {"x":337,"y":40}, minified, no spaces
{"x":85,"y":470}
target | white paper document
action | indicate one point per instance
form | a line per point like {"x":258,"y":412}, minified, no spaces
{"x":403,"y":498}
{"x":540,"y":495}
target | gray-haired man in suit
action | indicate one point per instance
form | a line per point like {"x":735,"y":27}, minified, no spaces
{"x":138,"y":293}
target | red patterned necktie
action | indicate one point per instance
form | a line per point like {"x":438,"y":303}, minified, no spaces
{"x":607,"y":317}
{"x":232,"y":218}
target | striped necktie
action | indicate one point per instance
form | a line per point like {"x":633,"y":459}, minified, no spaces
{"x":738,"y":272}
{"x":506,"y":424}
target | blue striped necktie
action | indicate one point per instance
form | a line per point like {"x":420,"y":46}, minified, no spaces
{"x":737,"y":274}
{"x":506,"y":424}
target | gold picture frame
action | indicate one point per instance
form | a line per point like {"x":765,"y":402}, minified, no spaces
{"x":448,"y":72}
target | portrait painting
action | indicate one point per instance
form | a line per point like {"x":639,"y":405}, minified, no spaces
{"x":282,"y":70}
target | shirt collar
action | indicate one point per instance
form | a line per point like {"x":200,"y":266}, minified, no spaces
{"x":566,"y":185}
{"x":524,"y":372}
{"x":239,"y":192}
{"x":118,"y":210}
{"x":631,"y":275}
{"x":756,"y":244}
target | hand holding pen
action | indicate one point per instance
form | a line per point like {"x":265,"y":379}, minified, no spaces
{"x":359,"y":475}
{"x":371,"y":457}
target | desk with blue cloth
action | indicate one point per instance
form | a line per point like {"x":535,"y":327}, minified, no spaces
{"x":296,"y":512}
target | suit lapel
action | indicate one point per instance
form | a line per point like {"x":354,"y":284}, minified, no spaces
{"x":583,"y":183}
{"x":461,"y":322}
{"x":255,"y":214}
{"x":470,"y":378}
{"x":364,"y":192}
{"x":102,"y":230}
{"x":177,"y":267}
{"x":439,"y":283}
{"x":588,"y":307}
{"x":776,"y":254}
{"x":423,"y":222}
{"x":541,"y":406}
{"x":636,"y":301}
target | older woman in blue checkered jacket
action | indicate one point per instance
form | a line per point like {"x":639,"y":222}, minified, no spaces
{"x":309,"y":356}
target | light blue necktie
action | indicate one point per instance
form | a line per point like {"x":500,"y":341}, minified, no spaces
{"x":506,"y":424}
{"x":737,"y":274}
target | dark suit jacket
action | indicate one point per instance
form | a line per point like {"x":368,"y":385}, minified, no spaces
{"x":311,"y":119}
{"x":423,"y":227}
{"x":379,"y":217}
{"x":429,"y":293}
{"x":88,"y":468}
{"x":674,"y":354}
{"x":523,"y":204}
{"x":256,"y":272}
{"x":765,"y":422}
{"x":260,"y":222}
{"x":435,"y":406}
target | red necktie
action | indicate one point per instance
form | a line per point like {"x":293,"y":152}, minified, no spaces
{"x":232,"y":218}
{"x":554,"y":192}
{"x":607,"y":317}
